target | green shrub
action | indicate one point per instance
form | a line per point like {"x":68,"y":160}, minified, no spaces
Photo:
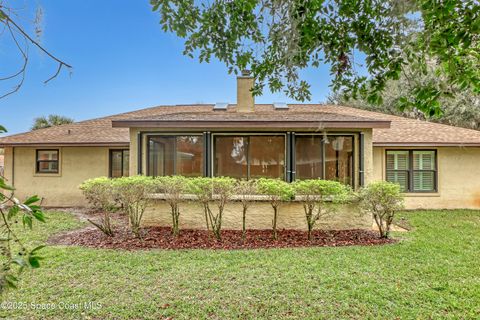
{"x":320,"y":198}
{"x":381,"y":200}
{"x":132,"y":193}
{"x":246,"y":191}
{"x":173,"y":187}
{"x":99,"y":194}
{"x":277,"y":191}
{"x":217,"y":190}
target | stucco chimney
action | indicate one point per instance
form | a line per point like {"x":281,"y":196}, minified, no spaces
{"x":245,"y":99}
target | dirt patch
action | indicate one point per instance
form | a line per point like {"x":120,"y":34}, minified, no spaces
{"x":161,"y":238}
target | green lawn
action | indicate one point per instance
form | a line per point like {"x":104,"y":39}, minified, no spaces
{"x":433,"y":272}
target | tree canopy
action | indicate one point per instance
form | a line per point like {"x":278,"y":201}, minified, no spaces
{"x":50,"y":121}
{"x":462,"y":109}
{"x":277,"y":39}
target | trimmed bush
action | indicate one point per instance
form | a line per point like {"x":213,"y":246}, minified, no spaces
{"x":277,"y":191}
{"x":98,"y":192}
{"x":217,"y":190}
{"x":173,"y":187}
{"x":320,"y":198}
{"x":381,"y":199}
{"x":100,"y":196}
{"x":132,"y":193}
{"x":246,"y":191}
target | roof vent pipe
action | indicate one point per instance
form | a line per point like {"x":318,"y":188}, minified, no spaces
{"x":245,"y":99}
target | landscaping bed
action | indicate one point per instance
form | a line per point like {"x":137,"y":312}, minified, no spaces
{"x":161,"y":238}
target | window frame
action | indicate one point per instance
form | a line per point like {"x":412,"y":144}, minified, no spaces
{"x":110,"y":161}
{"x":173,"y":134}
{"x":323,"y":152}
{"x":249,"y":134}
{"x":411,"y":171}
{"x":37,"y":162}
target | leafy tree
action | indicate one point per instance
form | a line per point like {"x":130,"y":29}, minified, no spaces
{"x":277,"y":39}
{"x":15,"y":255}
{"x":13,"y":251}
{"x":461,"y":109}
{"x":50,"y":121}
{"x":202,"y":189}
{"x":277,"y":191}
{"x":133,"y":195}
{"x":381,"y":199}
{"x":217,"y":190}
{"x":246,"y":191}
{"x":100,"y":195}
{"x":320,"y":198}
{"x":173,"y":188}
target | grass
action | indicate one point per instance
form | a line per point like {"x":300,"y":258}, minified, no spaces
{"x":432,"y":272}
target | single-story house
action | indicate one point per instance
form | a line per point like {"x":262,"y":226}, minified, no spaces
{"x":437,"y":166}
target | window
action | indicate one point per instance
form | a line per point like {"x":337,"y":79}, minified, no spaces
{"x":413,"y":170}
{"x":324,"y":157}
{"x":47,"y":161}
{"x":250,"y":157}
{"x":175,"y":155}
{"x":398,"y":168}
{"x":424,"y":171}
{"x":119,"y":163}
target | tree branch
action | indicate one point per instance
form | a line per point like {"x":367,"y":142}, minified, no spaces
{"x":9,"y":23}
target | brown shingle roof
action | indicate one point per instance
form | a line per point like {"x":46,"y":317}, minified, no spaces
{"x":99,"y":131}
{"x":264,"y":117}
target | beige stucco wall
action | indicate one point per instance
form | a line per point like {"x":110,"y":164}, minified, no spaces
{"x":458,"y":179}
{"x":76,"y":165}
{"x":259,"y":216}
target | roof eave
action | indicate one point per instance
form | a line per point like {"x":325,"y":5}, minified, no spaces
{"x":64,"y":144}
{"x":426,"y":144}
{"x":249,"y":124}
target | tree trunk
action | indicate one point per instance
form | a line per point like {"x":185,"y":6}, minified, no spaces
{"x":244,"y":227}
{"x":310,"y":227}
{"x":274,"y":223}
{"x":205,"y":208}
{"x":175,"y":220}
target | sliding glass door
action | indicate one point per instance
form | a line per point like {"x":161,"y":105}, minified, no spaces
{"x":328,"y":157}
{"x":249,"y":156}
{"x":175,"y":155}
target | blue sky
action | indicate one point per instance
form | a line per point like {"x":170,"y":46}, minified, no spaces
{"x":122,"y":61}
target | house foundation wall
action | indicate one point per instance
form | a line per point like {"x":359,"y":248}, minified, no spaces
{"x":259,"y":216}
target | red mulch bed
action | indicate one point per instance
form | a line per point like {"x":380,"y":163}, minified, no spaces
{"x":161,"y":238}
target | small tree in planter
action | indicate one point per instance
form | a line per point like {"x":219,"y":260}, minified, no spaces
{"x":100,"y":196}
{"x":381,"y":199}
{"x":320,"y":198}
{"x":218,"y":190}
{"x":277,"y":191}
{"x":132,"y":193}
{"x":202,"y":189}
{"x":246,"y":191}
{"x":173,"y":187}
